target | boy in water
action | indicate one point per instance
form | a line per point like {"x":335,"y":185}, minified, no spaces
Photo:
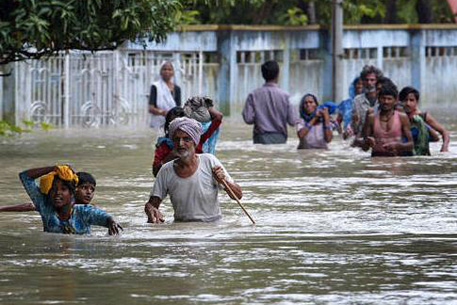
{"x":84,"y":193}
{"x":85,"y":190}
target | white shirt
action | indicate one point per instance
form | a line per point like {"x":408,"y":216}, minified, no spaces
{"x":193,"y":198}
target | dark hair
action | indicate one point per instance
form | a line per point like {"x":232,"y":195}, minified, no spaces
{"x":383,"y":80}
{"x":270,"y":70}
{"x":173,"y":113}
{"x":301,"y":110}
{"x":388,"y":89}
{"x":84,"y":177}
{"x":368,"y":69}
{"x":407,"y":90}
{"x":71,"y":185}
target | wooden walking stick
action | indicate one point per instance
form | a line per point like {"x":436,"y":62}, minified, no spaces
{"x":238,"y":201}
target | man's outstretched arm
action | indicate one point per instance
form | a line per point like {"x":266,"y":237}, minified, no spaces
{"x":151,"y":208}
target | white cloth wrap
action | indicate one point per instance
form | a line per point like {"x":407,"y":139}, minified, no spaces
{"x":187,"y":125}
{"x":164,"y":101}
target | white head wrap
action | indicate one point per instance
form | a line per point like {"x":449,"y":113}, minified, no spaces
{"x":189,"y":126}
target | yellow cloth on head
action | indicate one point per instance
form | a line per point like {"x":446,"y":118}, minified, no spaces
{"x":64,"y":172}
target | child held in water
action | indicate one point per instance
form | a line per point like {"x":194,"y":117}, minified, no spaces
{"x":54,"y":199}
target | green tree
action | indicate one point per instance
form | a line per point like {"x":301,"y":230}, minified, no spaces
{"x":299,"y":12}
{"x":36,"y":28}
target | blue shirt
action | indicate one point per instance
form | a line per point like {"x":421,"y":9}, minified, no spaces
{"x":82,"y":216}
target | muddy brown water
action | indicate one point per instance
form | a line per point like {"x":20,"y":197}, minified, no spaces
{"x":333,"y":227}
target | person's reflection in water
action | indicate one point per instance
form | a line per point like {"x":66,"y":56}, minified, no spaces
{"x":395,"y":166}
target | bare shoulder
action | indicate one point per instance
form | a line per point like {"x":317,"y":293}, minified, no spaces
{"x":429,"y":117}
{"x":403,"y":115}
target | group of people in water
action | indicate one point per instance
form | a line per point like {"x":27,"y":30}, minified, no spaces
{"x":376,"y":117}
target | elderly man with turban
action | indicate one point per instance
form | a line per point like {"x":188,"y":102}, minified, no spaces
{"x":53,"y":198}
{"x":192,"y":180}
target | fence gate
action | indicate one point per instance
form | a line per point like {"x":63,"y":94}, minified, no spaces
{"x":81,"y":89}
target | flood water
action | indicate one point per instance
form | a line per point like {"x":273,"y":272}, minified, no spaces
{"x":333,"y":227}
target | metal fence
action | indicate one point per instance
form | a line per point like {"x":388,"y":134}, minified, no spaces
{"x":104,"y":88}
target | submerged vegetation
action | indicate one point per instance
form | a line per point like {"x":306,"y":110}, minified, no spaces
{"x":9,"y":130}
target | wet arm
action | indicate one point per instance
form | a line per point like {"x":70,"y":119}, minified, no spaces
{"x":339,"y":120}
{"x":355,"y":118}
{"x":157,"y":111}
{"x":327,"y":127}
{"x":406,"y":129}
{"x":25,"y":207}
{"x":220,"y":175}
{"x":177,"y":95}
{"x":236,"y":189}
{"x":151,"y":208}
{"x":28,"y":177}
{"x":443,"y":131}
{"x":305,"y":130}
{"x":114,"y":227}
{"x":35,"y":173}
{"x":100,"y":217}
{"x":216,"y":121}
{"x":433,"y":134}
{"x":215,"y":114}
{"x":367,"y":133}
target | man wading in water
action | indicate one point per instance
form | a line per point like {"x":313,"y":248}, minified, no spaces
{"x":191,"y":180}
{"x":383,"y":131}
{"x":268,"y":108}
{"x":368,"y":99}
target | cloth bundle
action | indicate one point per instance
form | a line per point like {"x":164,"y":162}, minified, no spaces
{"x":196,"y":108}
{"x":331,"y":106}
{"x":64,"y":172}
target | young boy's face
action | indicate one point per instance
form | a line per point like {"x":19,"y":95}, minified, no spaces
{"x":84,"y":193}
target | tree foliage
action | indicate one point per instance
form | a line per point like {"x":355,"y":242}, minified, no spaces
{"x":36,"y":28}
{"x":296,"y":12}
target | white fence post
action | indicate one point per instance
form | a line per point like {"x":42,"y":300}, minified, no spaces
{"x":200,"y":72}
{"x":66,"y":96}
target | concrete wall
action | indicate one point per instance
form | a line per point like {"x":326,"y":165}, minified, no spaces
{"x":399,"y":50}
{"x":424,"y":56}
